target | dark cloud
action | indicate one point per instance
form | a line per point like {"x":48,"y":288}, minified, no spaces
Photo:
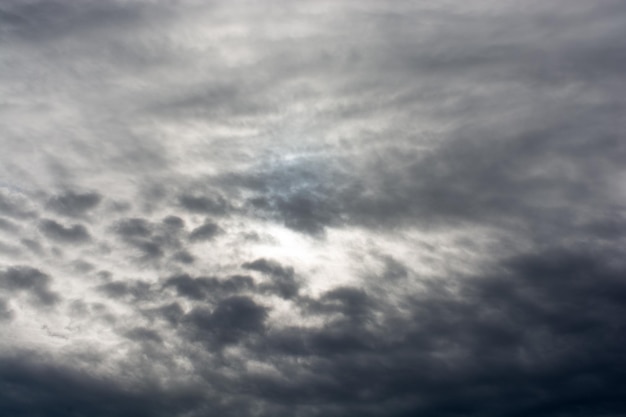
{"x":268,"y":267}
{"x":34,"y":387}
{"x":174,"y":221}
{"x":204,"y":204}
{"x":205,"y":232}
{"x":303,"y":211}
{"x":353,"y":303}
{"x":172,"y":313}
{"x":233,"y":319}
{"x":151,"y":240}
{"x":283,"y":280}
{"x":133,"y":228}
{"x":44,"y":20}
{"x":76,"y":233}
{"x":74,"y":204}
{"x":149,"y":249}
{"x":184,"y":257}
{"x":17,"y":279}
{"x":547,"y":322}
{"x":207,"y":287}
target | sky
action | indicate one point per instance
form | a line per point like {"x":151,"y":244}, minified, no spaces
{"x":308,"y":208}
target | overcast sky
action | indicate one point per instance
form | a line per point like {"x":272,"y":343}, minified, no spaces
{"x":312,"y":208}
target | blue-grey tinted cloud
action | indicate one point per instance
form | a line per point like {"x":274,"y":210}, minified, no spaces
{"x":312,"y":208}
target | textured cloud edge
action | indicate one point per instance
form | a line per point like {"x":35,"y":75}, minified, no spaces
{"x":312,"y":208}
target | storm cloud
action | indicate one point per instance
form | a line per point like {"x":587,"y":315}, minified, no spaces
{"x":309,"y":209}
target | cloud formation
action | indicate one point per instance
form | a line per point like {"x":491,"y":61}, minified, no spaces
{"x":312,"y":209}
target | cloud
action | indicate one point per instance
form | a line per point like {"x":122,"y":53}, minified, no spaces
{"x":152,"y":240}
{"x":7,"y":225}
{"x":5,"y":311}
{"x":463,"y":349}
{"x":208,"y":287}
{"x":172,"y":313}
{"x":33,"y":245}
{"x":233,"y":319}
{"x":205,"y":232}
{"x":136,"y":290}
{"x":15,"y":205}
{"x":18,"y":279}
{"x":204,"y":204}
{"x":76,"y":233}
{"x":184,"y":257}
{"x":74,"y":204}
{"x":133,"y":228}
{"x":283,"y":280}
{"x":58,"y":390}
{"x":142,"y":334}
{"x":312,"y":208}
{"x":174,"y":222}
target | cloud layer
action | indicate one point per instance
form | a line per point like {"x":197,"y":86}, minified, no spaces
{"x":312,"y":209}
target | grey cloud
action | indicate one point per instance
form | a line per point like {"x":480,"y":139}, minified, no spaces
{"x":174,"y":221}
{"x":269,"y":267}
{"x":204,"y":204}
{"x":351,"y":302}
{"x":465,"y":178}
{"x":9,"y":249}
{"x":208,"y":287}
{"x":143,"y":334}
{"x":152,"y":240}
{"x":15,"y":206}
{"x":233,"y":319}
{"x":488,"y":133}
{"x":149,"y":250}
{"x":30,"y":280}
{"x":172,"y":313}
{"x":5,"y":312}
{"x":283,"y":278}
{"x":205,"y":232}
{"x":307,"y":212}
{"x":76,"y":233}
{"x":39,"y":387}
{"x":44,"y":20}
{"x":134,"y":227}
{"x":135,"y":290}
{"x":7,"y":225}
{"x":33,"y":245}
{"x":462,"y":354}
{"x":184,"y":257}
{"x":74,"y":204}
{"x":82,"y":266}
